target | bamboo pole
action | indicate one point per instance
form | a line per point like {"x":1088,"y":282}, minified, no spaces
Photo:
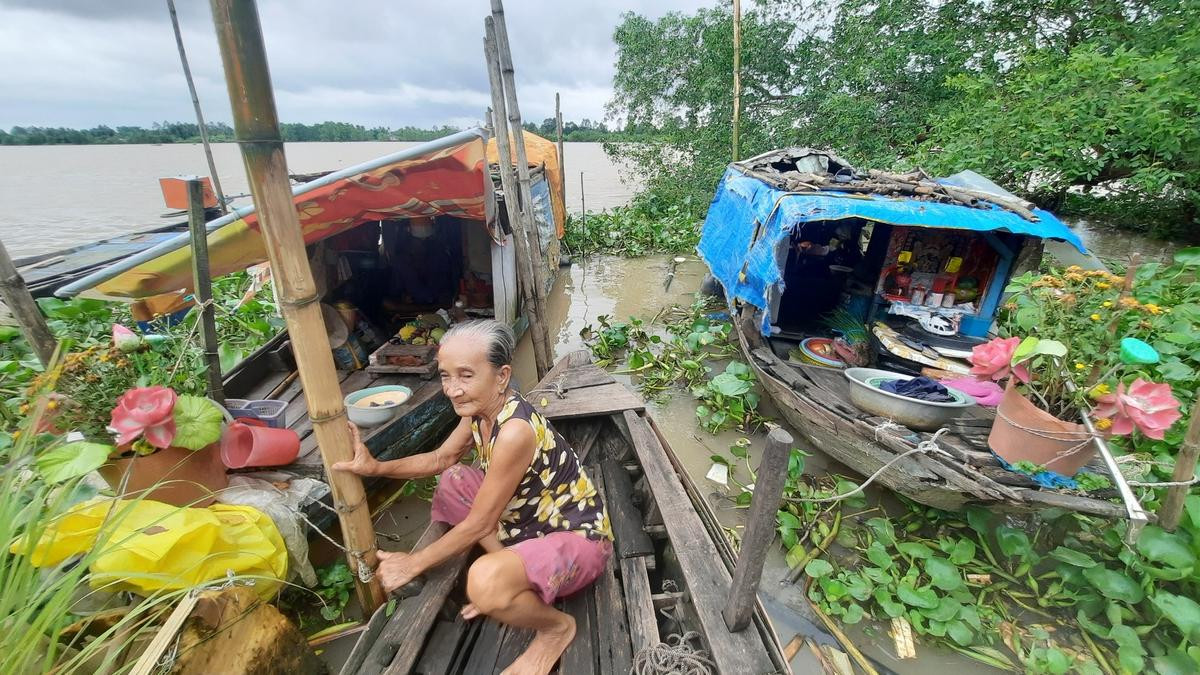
{"x":187,"y":75}
{"x":25,"y":310}
{"x":203,"y":289}
{"x":508,"y":181}
{"x":508,"y":78}
{"x":257,"y":124}
{"x":1185,"y":470}
{"x":760,"y":531}
{"x":518,"y":199}
{"x":737,"y":77}
{"x":562,"y":161}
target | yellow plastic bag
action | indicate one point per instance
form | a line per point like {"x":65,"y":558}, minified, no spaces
{"x":150,"y":546}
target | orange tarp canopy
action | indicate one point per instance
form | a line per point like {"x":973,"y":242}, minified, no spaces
{"x":450,"y":181}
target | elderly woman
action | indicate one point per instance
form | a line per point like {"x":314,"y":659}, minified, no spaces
{"x":530,"y":505}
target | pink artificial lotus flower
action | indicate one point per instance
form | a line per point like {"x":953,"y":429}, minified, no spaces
{"x":1149,"y":407}
{"x":124,"y":339}
{"x":145,"y":411}
{"x":993,"y":360}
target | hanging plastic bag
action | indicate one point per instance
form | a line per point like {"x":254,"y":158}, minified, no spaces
{"x":149,"y":546}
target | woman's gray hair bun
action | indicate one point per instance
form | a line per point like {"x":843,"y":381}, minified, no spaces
{"x":496,"y":335}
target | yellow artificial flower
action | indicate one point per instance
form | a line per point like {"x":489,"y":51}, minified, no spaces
{"x":1079,"y":366}
{"x":1103,"y":424}
{"x":1094,"y":317}
{"x":1103,"y":285}
{"x":1152,"y":308}
{"x":1106,"y":303}
{"x":1099,"y":390}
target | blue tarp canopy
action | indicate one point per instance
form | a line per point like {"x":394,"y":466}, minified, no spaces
{"x":749,"y":269}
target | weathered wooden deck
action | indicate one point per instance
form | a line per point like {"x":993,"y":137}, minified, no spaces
{"x":666,"y":572}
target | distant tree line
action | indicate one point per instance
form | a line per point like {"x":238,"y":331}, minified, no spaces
{"x":218,"y":132}
{"x":585,"y":131}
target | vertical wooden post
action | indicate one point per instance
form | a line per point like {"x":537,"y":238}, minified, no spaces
{"x":760,"y":530}
{"x":519,"y":199}
{"x":203,"y":289}
{"x":257,"y":124}
{"x":737,"y":77}
{"x":582,"y":202}
{"x":25,"y":310}
{"x":187,"y":75}
{"x":1185,"y":469}
{"x":508,"y":77}
{"x":562,"y":161}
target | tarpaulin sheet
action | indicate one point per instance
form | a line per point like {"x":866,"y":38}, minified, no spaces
{"x":750,"y":269}
{"x":541,"y":152}
{"x":449,"y":181}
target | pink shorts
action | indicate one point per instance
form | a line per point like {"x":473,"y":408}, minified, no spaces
{"x":556,"y":565}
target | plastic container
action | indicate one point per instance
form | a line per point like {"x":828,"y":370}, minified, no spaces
{"x":375,"y":415}
{"x":250,"y":442}
{"x":266,"y":410}
{"x":270,"y":411}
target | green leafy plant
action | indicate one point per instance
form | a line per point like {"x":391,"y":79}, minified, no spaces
{"x":634,"y":231}
{"x":44,"y":609}
{"x":728,"y":400}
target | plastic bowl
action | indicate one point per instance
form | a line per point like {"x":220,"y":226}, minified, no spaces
{"x":373,"y":416}
{"x":913,"y":413}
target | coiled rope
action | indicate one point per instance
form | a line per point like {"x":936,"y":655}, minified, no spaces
{"x":676,"y":656}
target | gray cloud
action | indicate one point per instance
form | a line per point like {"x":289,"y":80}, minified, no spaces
{"x":80,"y":62}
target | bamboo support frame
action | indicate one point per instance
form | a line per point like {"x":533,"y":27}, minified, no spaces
{"x":256,"y":122}
{"x":202,"y":282}
{"x":25,"y":310}
{"x":508,"y":78}
{"x":518,"y":199}
{"x":187,"y":75}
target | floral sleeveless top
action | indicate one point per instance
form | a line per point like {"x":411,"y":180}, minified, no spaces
{"x":556,"y":494}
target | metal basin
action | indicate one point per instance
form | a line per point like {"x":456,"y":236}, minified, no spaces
{"x":915,"y":414}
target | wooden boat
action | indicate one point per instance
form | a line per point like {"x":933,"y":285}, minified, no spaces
{"x":670,"y":572}
{"x":464,"y":190}
{"x":793,"y":234}
{"x":815,"y":400}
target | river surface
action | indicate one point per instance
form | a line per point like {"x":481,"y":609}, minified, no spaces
{"x":57,"y":196}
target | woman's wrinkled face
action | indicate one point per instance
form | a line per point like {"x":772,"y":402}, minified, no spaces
{"x":473,"y":385}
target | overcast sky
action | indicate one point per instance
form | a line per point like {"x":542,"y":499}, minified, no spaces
{"x":79,"y":63}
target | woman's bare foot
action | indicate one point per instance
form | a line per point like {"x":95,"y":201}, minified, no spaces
{"x":470,"y":611}
{"x":544,"y":651}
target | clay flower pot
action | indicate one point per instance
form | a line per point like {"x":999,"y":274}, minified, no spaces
{"x":1024,"y":432}
{"x":185,"y":477}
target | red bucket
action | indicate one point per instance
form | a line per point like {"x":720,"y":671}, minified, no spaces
{"x":250,"y":442}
